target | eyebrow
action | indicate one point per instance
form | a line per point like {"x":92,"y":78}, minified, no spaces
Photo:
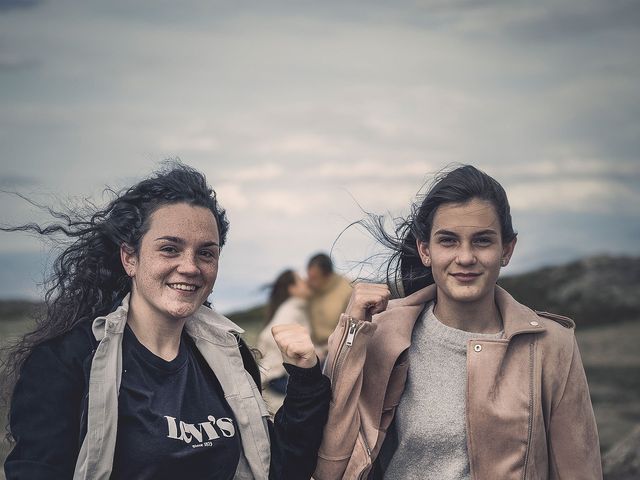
{"x":476,"y":234}
{"x":180,"y":241}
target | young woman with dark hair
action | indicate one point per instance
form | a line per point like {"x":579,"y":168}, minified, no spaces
{"x":457,"y":380}
{"x":287,"y":306}
{"x":129,"y":372}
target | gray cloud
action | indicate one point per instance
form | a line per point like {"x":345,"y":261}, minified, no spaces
{"x":578,"y":19}
{"x":298,"y":111}
{"x":6,"y":5}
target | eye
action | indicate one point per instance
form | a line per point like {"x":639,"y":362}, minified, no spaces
{"x":483,"y":241}
{"x":447,"y":241}
{"x":169,"y":249}
{"x":209,"y":254}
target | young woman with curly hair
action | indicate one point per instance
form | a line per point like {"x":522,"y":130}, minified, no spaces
{"x":130,"y":373}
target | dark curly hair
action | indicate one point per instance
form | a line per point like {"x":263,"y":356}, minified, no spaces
{"x":404,"y":270}
{"x":88,"y":279}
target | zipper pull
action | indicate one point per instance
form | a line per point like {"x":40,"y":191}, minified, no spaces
{"x":351,"y":334}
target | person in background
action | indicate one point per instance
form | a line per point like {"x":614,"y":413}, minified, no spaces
{"x":329,"y":298}
{"x":287,"y":306}
{"x":130,"y":373}
{"x":457,"y":380}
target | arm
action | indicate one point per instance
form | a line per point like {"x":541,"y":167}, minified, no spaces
{"x":297,"y":432}
{"x":345,"y":362}
{"x":45,"y":418}
{"x":574,"y":450}
{"x":347,"y":355}
{"x":297,"y":429}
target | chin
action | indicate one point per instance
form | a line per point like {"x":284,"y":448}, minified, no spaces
{"x":467,"y":295}
{"x":182,"y":311}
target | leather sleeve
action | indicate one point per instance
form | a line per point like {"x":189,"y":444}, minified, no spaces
{"x":574,"y":449}
{"x":298,"y":425}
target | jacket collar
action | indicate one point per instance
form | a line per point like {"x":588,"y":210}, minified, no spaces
{"x":205,"y":322}
{"x":516,"y":317}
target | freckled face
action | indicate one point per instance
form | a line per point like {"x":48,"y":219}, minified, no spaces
{"x":465,"y":250}
{"x":177,"y":265}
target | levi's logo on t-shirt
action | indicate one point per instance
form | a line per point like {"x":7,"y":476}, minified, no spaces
{"x":212,"y":429}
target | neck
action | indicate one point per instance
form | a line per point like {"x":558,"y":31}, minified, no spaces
{"x":481,"y":316}
{"x":161,"y":336}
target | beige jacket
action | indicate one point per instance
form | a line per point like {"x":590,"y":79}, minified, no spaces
{"x":214,"y":337}
{"x":326,"y":306}
{"x":529,"y":414}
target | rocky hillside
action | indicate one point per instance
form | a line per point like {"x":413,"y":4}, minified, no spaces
{"x":593,"y":290}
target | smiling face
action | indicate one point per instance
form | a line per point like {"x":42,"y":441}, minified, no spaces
{"x":465,"y":251}
{"x":176,"y":266}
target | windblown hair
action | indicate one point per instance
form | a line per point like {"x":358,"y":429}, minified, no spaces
{"x":404,"y":270}
{"x":88,"y":279}
{"x":279,"y":292}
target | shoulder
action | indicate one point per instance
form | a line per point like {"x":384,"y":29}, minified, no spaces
{"x":66,"y":353}
{"x":560,"y":319}
{"x":344,"y":283}
{"x":558,"y":328}
{"x":337,"y":285}
{"x":55,"y":370}
{"x":557,"y":343}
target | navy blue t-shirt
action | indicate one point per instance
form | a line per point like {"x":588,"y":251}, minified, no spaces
{"x":173,"y":419}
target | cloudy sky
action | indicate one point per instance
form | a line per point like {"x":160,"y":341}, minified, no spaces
{"x":303,"y":113}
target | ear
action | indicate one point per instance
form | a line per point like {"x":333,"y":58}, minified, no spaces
{"x":129,"y":259}
{"x":423,"y":250}
{"x":507,"y":251}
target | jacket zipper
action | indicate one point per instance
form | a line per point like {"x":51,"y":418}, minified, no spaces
{"x":531,"y":400}
{"x":339,"y":352}
{"x":366,"y":446}
{"x":347,"y":341}
{"x":351,"y":334}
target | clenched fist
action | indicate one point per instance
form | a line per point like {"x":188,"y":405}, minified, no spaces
{"x":295,"y":345}
{"x":367,"y":299}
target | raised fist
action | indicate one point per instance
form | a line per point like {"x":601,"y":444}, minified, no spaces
{"x":295,"y":345}
{"x":367,"y":299}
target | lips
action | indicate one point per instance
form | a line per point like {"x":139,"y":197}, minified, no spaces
{"x":465,"y":276}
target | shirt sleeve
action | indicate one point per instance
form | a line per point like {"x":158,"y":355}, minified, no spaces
{"x":45,"y":418}
{"x":296,"y":432}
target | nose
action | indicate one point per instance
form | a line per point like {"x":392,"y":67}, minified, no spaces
{"x":466,"y":255}
{"x":188,"y":265}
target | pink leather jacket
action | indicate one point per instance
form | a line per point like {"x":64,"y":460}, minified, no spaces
{"x":529,"y":414}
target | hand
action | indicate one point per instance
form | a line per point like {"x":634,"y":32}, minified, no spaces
{"x":295,"y":345}
{"x":367,"y":299}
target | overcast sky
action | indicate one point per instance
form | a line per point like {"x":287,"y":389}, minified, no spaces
{"x":302,"y":112}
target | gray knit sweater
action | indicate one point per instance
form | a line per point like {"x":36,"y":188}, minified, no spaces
{"x":430,"y":419}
